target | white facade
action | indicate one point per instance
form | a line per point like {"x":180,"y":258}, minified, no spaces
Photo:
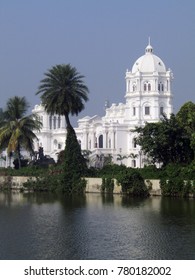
{"x":148,"y":95}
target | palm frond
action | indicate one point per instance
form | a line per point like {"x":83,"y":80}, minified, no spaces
{"x":18,"y":131}
{"x":63,"y":91}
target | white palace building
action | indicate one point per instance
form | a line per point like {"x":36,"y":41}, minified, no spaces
{"x":148,"y":95}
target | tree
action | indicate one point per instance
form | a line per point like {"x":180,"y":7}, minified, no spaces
{"x":165,"y":142}
{"x":75,"y":165}
{"x":120,"y":158}
{"x":1,"y":115}
{"x":64,"y":93}
{"x":17,"y":129}
{"x":186,"y":118}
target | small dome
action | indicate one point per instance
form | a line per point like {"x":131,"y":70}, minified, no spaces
{"x":149,"y":63}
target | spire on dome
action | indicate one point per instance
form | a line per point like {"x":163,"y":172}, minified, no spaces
{"x":149,"y":48}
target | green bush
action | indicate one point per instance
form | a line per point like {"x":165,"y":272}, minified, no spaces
{"x":176,"y":187}
{"x":177,"y":180}
{"x":49,"y":181}
{"x":132,"y":183}
{"x":110,"y":170}
{"x":150,"y":172}
{"x":24,"y":171}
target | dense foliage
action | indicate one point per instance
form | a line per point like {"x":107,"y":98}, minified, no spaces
{"x":74,"y":166}
{"x":172,"y":140}
{"x":165,"y":142}
{"x":186,"y":118}
{"x":132,"y":183}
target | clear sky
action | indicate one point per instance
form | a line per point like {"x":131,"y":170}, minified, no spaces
{"x":101,"y":38}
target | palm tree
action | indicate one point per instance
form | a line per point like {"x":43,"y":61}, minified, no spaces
{"x":63,"y":91}
{"x":17,"y":129}
{"x":120,"y":157}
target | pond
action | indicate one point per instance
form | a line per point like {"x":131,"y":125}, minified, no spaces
{"x":94,"y":226}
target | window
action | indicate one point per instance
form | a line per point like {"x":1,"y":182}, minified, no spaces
{"x":160,"y":87}
{"x":133,"y":163}
{"x":134,"y":143}
{"x":134,"y":111}
{"x":161,"y":110}
{"x":147,"y":110}
{"x":54,"y":122}
{"x":101,"y":141}
{"x":59,"y":121}
{"x":147,"y":86}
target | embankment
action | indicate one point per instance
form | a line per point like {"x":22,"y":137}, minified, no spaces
{"x":93,"y":184}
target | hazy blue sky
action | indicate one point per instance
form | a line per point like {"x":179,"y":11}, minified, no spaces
{"x":101,"y":38}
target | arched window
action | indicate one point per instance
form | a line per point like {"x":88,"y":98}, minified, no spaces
{"x":149,"y":87}
{"x":59,"y":121}
{"x":134,"y":87}
{"x":145,"y":87}
{"x":158,"y":87}
{"x":147,"y":110}
{"x":100,"y":141}
{"x":134,"y":143}
{"x":133,"y":163}
{"x":162,"y":87}
{"x":54,"y":122}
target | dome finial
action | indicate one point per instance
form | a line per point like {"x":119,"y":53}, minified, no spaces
{"x":149,"y":48}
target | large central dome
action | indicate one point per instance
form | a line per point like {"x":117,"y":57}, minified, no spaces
{"x":149,"y":63}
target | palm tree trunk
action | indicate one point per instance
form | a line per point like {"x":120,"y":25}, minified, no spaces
{"x":68,"y":124}
{"x":19,"y":157}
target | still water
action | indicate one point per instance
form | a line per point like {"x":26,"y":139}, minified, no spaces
{"x":47,"y":226}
